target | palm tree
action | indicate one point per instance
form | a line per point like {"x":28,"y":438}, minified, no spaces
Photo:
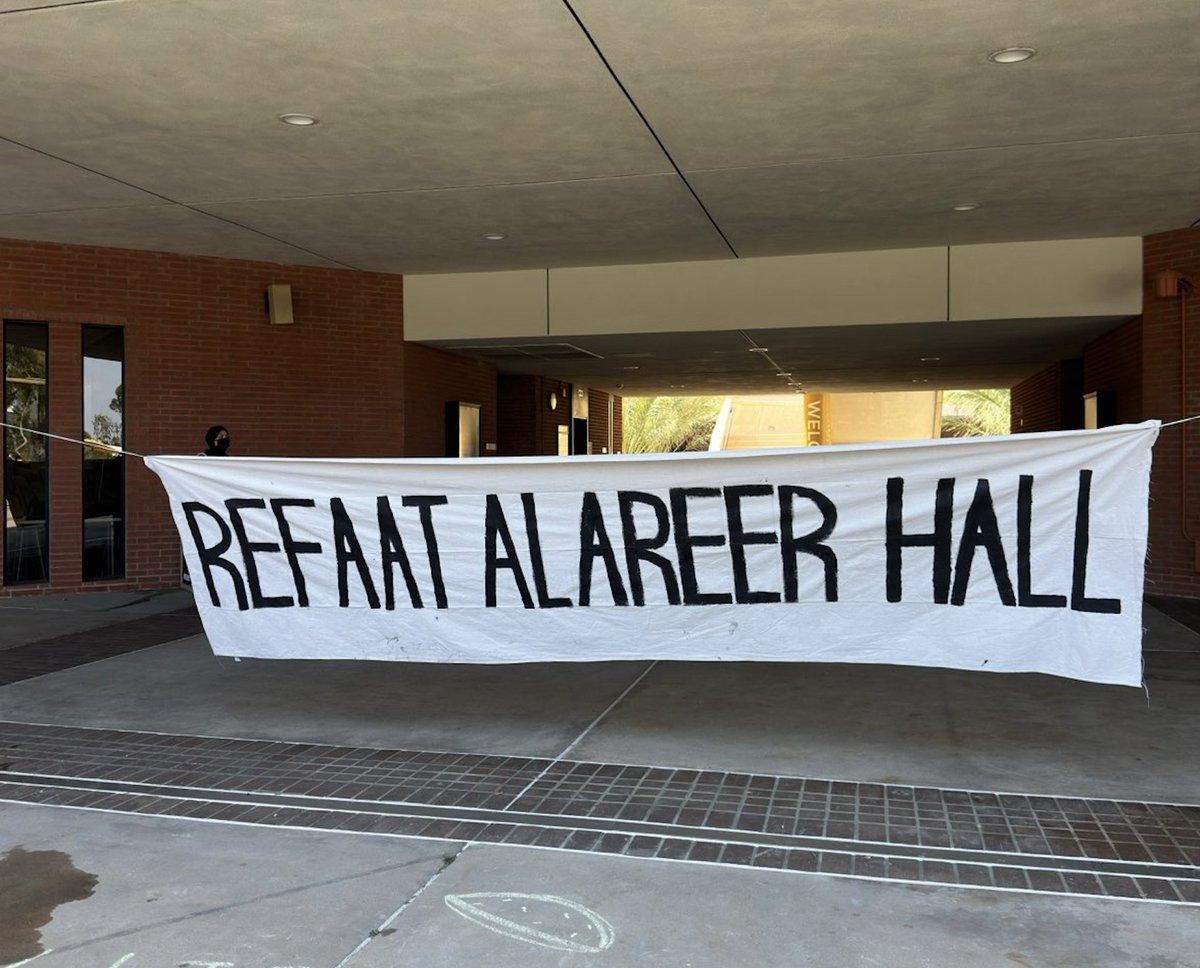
{"x":976,"y":413}
{"x":668,"y":424}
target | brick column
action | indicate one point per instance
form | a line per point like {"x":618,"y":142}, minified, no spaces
{"x":66,"y":459}
{"x":1171,"y":390}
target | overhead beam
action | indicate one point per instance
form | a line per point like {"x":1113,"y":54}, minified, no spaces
{"x":1019,"y":280}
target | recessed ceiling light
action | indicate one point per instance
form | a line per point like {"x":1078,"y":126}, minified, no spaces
{"x":1011,"y":55}
{"x":635,"y":367}
{"x":299,"y":120}
{"x":930,"y":359}
{"x":494,"y":236}
{"x":759,"y":349}
{"x":966,"y":206}
{"x":783,"y":373}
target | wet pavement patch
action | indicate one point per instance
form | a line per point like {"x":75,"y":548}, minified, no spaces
{"x":32,"y":884}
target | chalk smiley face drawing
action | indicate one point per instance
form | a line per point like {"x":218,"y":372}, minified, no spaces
{"x":537,"y":919}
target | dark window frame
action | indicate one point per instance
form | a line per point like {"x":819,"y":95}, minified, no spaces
{"x":5,"y":482}
{"x":120,"y":554}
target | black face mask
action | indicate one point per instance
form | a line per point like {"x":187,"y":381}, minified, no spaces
{"x":220,"y":446}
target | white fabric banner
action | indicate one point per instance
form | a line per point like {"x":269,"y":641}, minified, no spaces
{"x":1017,"y":554}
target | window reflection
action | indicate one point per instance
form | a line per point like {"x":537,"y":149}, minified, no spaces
{"x":103,"y":464}
{"x":26,"y":470}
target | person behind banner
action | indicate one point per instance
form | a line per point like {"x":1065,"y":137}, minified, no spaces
{"x":217,"y":439}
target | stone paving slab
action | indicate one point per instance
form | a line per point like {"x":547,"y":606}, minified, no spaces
{"x":34,"y":618}
{"x":922,"y":727}
{"x":527,"y":710}
{"x":511,"y":908}
{"x":33,"y":659}
{"x":869,"y":830}
{"x":171,"y":892}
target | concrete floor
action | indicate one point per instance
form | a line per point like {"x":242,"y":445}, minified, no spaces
{"x":935,"y":727}
{"x":25,"y":620}
{"x":174,"y":892}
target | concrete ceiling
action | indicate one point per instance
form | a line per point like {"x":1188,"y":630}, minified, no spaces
{"x":592,"y":132}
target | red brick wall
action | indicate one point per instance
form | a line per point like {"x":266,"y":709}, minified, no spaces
{"x":431,"y":378}
{"x":1171,"y":390}
{"x":66,"y":460}
{"x":1114,"y":362}
{"x":553,"y":419}
{"x":1035,"y":402}
{"x":199,"y":351}
{"x":519,"y":414}
{"x":526,"y":424}
{"x":1153,"y":365}
{"x":598,"y":422}
{"x":598,"y":409}
{"x":1051,"y":399}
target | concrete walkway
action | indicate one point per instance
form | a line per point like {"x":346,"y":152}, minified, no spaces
{"x":36,"y":618}
{"x":147,"y":869}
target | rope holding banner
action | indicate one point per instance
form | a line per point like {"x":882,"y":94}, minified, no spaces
{"x":70,"y":440}
{"x":130,"y":453}
{"x":1183,"y":420}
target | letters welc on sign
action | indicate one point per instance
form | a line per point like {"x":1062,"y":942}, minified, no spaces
{"x":1020,"y":554}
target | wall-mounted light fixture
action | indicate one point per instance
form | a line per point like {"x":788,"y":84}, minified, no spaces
{"x":1169,"y":282}
{"x":279,"y":305}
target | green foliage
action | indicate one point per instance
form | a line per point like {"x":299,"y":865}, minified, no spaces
{"x":666,"y":425}
{"x":976,"y":413}
{"x":106,"y":430}
{"x":109,"y":430}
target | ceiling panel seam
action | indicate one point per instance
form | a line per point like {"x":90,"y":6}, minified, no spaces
{"x":55,"y":6}
{"x":654,"y":134}
{"x":172,"y":201}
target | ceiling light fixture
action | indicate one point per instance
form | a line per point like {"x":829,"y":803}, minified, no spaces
{"x":495,"y":236}
{"x":635,"y":367}
{"x":1011,"y":55}
{"x":783,"y":373}
{"x":930,"y":359}
{"x":966,"y":206}
{"x":759,"y":349}
{"x":299,"y":120}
